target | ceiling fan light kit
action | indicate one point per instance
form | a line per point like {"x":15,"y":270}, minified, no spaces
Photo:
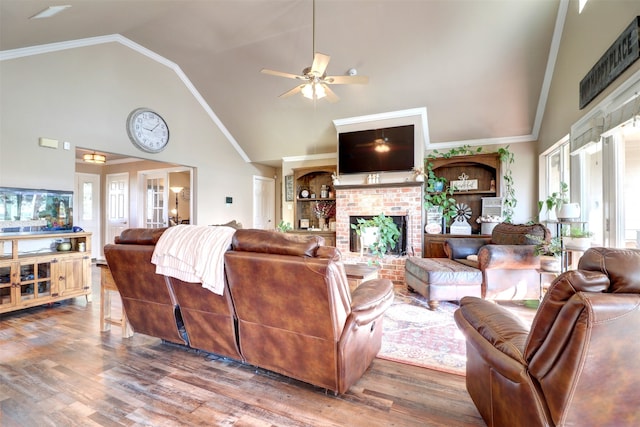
{"x":315,"y":77}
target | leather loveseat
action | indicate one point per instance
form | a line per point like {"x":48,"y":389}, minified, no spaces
{"x":577,"y":363}
{"x":507,"y":261}
{"x":286,"y":306}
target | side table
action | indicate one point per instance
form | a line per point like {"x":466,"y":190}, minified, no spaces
{"x":107,"y":285}
{"x":357,"y":273}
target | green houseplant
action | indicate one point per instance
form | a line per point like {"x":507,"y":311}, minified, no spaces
{"x":386,"y":233}
{"x":548,"y":251}
{"x":555,"y":199}
{"x":577,"y":239}
{"x":438,"y":194}
{"x":510,"y":201}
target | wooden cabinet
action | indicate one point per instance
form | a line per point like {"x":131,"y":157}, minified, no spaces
{"x":434,"y":243}
{"x":482,"y":168}
{"x":313,"y":186}
{"x":31,"y":277}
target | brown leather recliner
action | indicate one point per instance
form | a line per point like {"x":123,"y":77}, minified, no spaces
{"x":165,"y":307}
{"x":578,"y":363}
{"x":296,"y":315}
{"x":506,"y":260}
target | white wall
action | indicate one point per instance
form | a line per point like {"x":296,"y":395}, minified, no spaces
{"x":84,"y":95}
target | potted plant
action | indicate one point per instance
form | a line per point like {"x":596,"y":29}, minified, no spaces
{"x":577,"y":239}
{"x":558,"y":202}
{"x":284,"y":226}
{"x":382,"y":231}
{"x":438,"y":197}
{"x":549,"y":252}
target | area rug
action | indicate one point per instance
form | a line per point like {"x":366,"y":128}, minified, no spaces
{"x":415,"y":335}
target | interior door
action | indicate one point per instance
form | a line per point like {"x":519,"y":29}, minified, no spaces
{"x":156,"y":214}
{"x":117,"y":205}
{"x":86,"y":208}
{"x":264,"y":203}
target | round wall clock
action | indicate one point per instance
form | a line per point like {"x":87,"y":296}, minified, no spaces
{"x":147,"y":130}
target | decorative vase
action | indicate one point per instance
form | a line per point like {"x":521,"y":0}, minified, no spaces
{"x":577,"y":243}
{"x":568,"y":211}
{"x":550,"y":263}
{"x":438,"y":186}
{"x":420,"y":178}
{"x":368,"y":237}
{"x":487,"y":227}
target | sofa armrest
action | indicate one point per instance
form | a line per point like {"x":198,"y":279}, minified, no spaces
{"x":463,"y":247}
{"x":515,"y":257}
{"x":496,"y":325}
{"x":371,"y":299}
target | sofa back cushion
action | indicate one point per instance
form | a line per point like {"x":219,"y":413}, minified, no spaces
{"x":516,"y":234}
{"x":271,"y":242}
{"x":140,"y":236}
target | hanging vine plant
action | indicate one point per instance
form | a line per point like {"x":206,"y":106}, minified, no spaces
{"x":510,"y":200}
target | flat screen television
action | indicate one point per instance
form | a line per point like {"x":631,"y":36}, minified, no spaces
{"x":379,"y":150}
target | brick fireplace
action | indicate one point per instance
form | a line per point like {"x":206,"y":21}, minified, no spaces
{"x":402,"y":199}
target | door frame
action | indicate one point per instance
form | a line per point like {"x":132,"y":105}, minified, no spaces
{"x":141,"y":194}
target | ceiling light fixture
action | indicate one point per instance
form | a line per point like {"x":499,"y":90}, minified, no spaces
{"x":313,"y":90}
{"x":94,"y":158}
{"x":50,"y":11}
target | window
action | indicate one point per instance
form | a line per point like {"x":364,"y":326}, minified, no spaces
{"x":602,"y":159}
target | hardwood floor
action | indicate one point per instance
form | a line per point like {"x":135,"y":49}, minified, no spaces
{"x":58,"y":369}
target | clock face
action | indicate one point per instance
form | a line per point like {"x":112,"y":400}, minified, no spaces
{"x":147,"y":130}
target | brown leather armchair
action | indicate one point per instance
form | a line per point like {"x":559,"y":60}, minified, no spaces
{"x":576,"y":365}
{"x":506,"y":260}
{"x":296,"y":314}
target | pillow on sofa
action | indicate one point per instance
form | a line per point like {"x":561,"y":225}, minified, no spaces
{"x":516,"y":234}
{"x":275,"y":242}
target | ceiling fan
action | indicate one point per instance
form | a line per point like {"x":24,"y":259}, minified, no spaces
{"x":314,"y":80}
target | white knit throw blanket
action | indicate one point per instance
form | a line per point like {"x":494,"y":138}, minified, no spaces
{"x":194,"y":253}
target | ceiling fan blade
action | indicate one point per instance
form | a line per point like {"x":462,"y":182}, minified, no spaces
{"x":330,"y":95}
{"x":346,"y":80}
{"x":320,"y":62}
{"x":293,"y":91}
{"x":281,"y":74}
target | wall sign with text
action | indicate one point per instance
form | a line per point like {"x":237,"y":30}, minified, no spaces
{"x":622,"y":53}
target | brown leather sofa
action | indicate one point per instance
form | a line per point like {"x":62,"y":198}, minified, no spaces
{"x":576,"y":365}
{"x":507,"y":261}
{"x":286,"y":306}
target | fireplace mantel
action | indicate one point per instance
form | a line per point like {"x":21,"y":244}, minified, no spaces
{"x":383,"y":185}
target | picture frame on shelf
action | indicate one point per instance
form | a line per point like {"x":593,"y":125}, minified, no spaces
{"x":304,"y":223}
{"x":288,"y":188}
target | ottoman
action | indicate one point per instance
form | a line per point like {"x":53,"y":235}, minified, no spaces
{"x":442,"y":279}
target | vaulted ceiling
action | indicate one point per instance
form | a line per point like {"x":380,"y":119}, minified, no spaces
{"x":478,"y":66}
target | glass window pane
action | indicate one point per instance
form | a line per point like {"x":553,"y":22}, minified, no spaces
{"x":630,"y":200}
{"x":594,"y":196}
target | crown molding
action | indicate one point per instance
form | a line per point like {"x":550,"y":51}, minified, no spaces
{"x":117,"y":38}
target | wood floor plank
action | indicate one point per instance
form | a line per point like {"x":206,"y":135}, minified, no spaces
{"x":57,"y":369}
